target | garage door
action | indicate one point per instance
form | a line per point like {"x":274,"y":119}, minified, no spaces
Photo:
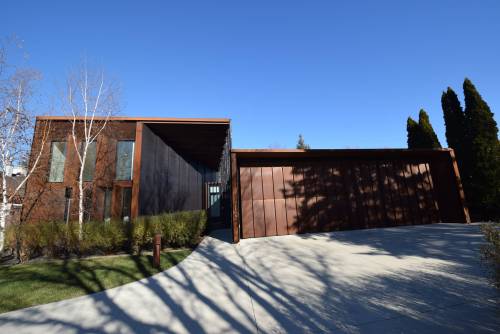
{"x":320,"y":197}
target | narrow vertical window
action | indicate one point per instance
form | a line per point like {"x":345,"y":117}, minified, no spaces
{"x":87,"y":204}
{"x":57,"y":160}
{"x":107,"y":204}
{"x":89,"y":167}
{"x":67,"y":203}
{"x":124,"y":160}
{"x":126,"y":202}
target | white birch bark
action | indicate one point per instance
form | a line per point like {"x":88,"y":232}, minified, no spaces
{"x":16,"y":130}
{"x":91,"y":102}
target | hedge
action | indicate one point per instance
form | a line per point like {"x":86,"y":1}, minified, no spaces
{"x":59,"y":239}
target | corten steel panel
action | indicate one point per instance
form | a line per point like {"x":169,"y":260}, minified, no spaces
{"x":421,"y":195}
{"x":246,"y":202}
{"x":396,"y":197}
{"x":268,"y":191}
{"x":281,"y":219}
{"x":388,"y":194}
{"x":341,"y":211}
{"x":412,"y":195}
{"x":267,"y":183}
{"x":403,"y":192}
{"x":279,"y":201}
{"x":368,"y":195}
{"x":259,"y":222}
{"x":429,"y":187}
{"x":279,"y":188}
{"x":235,"y":195}
{"x":246,"y":183}
{"x":360,"y":197}
{"x":324,"y":202}
{"x":378,"y":196}
{"x":270,"y":217}
{"x":310,"y":215}
{"x":290,"y":202}
{"x":348,"y":186}
{"x":300,"y":199}
{"x":388,"y":188}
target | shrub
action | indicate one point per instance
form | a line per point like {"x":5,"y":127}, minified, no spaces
{"x":181,"y":229}
{"x":178,"y":229}
{"x":57,"y":239}
{"x":491,"y":250}
{"x":103,"y":237}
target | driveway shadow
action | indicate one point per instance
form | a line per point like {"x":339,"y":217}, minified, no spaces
{"x":361,"y":281}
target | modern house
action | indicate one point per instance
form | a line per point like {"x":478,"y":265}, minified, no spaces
{"x":144,"y":166}
{"x":137,"y":166}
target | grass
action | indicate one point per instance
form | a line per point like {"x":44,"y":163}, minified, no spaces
{"x":31,"y":284}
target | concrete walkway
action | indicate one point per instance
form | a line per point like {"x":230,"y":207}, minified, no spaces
{"x":408,"y":279}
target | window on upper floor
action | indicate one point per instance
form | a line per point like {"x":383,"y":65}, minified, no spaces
{"x":124,"y":160}
{"x":89,"y":168}
{"x":57,"y":160}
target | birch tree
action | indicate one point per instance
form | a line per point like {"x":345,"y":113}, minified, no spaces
{"x":16,"y":129}
{"x":91,"y":100}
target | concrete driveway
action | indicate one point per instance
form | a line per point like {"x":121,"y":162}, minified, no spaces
{"x":414,"y":279}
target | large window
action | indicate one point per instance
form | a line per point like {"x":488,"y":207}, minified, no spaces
{"x":89,"y":168}
{"x":124,"y":160}
{"x":57,"y":159}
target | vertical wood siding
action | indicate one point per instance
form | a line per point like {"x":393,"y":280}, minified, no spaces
{"x":301,"y":196}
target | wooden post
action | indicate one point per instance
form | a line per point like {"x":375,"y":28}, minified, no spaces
{"x":458,"y":182}
{"x":136,"y":177}
{"x":235,"y":203}
{"x":156,"y":250}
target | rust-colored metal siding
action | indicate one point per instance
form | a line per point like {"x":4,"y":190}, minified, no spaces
{"x":300,"y":192}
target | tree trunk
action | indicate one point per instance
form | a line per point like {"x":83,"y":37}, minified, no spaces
{"x":3,"y":211}
{"x":81,"y":194}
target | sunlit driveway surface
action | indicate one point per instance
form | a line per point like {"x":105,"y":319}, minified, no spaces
{"x":397,"y":280}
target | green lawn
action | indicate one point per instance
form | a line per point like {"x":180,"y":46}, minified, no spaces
{"x":31,"y":284}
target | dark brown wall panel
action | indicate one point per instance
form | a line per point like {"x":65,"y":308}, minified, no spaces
{"x":400,"y":176}
{"x":279,"y":201}
{"x":281,"y":219}
{"x":259,"y":221}
{"x":429,"y":190}
{"x":299,"y":195}
{"x":421,"y":196}
{"x":290,"y":202}
{"x":246,"y":202}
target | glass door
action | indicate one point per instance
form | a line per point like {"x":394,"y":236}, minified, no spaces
{"x":214,"y":200}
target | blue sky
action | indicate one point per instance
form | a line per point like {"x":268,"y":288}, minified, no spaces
{"x":342,"y":73}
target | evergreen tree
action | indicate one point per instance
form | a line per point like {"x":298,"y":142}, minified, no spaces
{"x":421,"y":134}
{"x":301,"y":144}
{"x":413,"y":133}
{"x":454,"y":120}
{"x":483,"y":153}
{"x":429,"y":137}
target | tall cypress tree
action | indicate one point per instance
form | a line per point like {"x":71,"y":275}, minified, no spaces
{"x":454,"y":120}
{"x":413,"y":133}
{"x":421,"y":134}
{"x":483,"y":153}
{"x":429,"y":137}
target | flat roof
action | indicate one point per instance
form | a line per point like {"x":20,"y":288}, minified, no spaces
{"x":383,"y":153}
{"x":144,"y":119}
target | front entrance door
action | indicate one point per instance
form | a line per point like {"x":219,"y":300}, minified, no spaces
{"x":213,"y":200}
